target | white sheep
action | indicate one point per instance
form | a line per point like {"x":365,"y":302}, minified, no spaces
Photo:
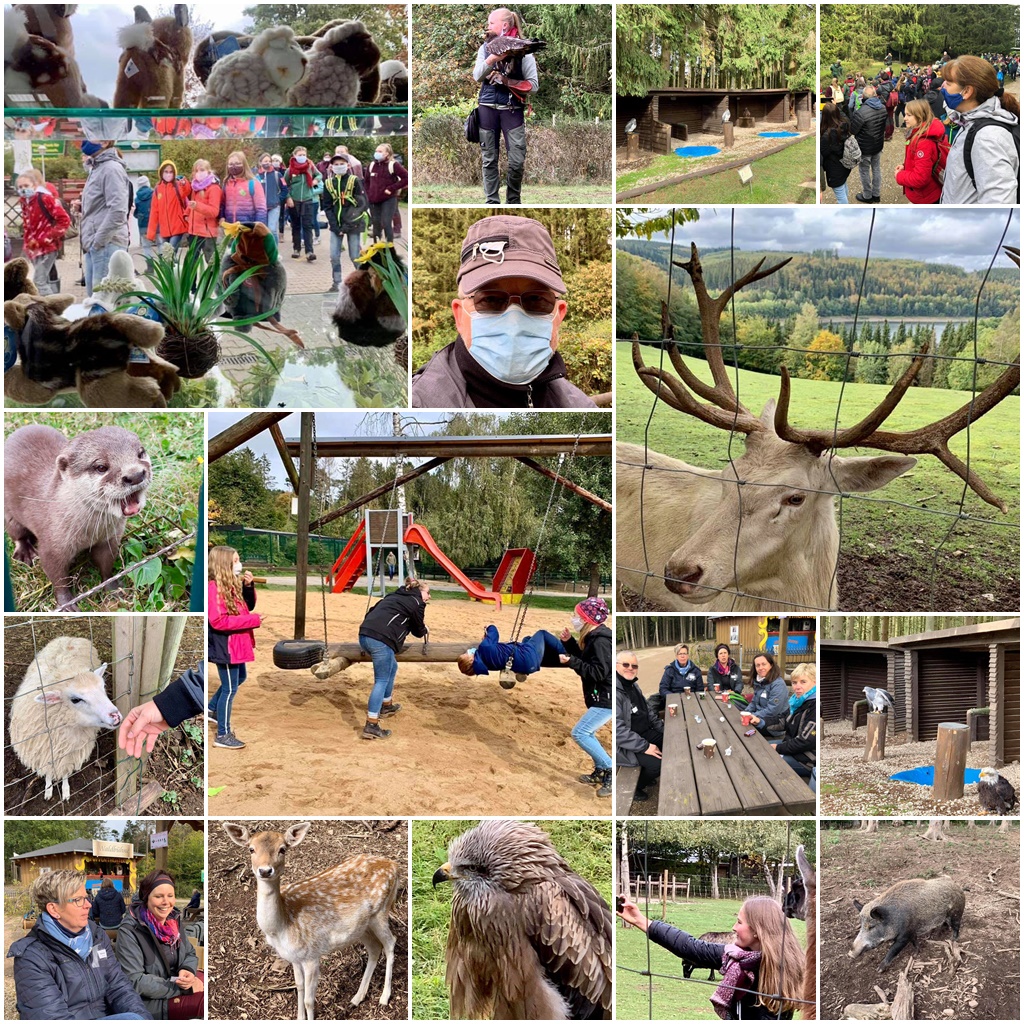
{"x":337,"y":63}
{"x":59,"y":709}
{"x":258,"y":76}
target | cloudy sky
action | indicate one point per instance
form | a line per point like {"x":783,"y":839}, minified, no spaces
{"x":965,"y":238}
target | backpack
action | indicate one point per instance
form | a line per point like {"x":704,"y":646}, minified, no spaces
{"x":983,"y":122}
{"x":942,"y":154}
{"x":851,"y":153}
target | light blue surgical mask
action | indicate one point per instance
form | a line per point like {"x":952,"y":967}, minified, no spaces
{"x":513,"y":346}
{"x":300,"y":159}
{"x":379,"y":157}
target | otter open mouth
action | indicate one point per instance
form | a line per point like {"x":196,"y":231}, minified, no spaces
{"x":130,"y":506}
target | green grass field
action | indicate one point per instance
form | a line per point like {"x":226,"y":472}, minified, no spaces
{"x":584,"y":844}
{"x":672,"y":1000}
{"x":564,"y":195}
{"x":985,"y":556}
{"x":777,"y":179}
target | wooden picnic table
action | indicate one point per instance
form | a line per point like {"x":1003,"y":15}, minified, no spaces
{"x":753,"y":780}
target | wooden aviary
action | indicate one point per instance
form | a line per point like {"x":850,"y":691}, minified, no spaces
{"x":874,"y":748}
{"x":951,"y":746}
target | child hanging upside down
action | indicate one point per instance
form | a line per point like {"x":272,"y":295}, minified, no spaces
{"x":490,"y":655}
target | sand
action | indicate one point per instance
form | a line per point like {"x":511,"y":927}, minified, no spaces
{"x":459,"y":746}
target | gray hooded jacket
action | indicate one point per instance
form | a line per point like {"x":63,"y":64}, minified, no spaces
{"x":105,"y":203}
{"x":994,"y":158}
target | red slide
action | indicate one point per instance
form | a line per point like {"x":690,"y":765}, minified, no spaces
{"x":347,"y":569}
{"x":417,"y":534}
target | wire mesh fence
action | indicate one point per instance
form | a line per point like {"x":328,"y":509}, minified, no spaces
{"x":68,"y":683}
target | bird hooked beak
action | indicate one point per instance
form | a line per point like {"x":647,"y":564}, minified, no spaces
{"x":442,"y":874}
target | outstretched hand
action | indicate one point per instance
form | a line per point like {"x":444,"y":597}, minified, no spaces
{"x":140,"y":728}
{"x":631,"y":914}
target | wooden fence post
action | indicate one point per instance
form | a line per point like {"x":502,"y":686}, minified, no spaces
{"x":874,"y":748}
{"x":951,"y":746}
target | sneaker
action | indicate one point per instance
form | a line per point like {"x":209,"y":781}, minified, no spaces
{"x":389,"y":709}
{"x":373,"y":731}
{"x":861,"y":198}
{"x":311,"y":258}
{"x":606,"y":783}
{"x":211,"y":716}
{"x":297,"y":255}
{"x":641,"y":795}
{"x":316,"y":240}
{"x":229,"y":740}
{"x":593,"y":778}
{"x":334,"y":287}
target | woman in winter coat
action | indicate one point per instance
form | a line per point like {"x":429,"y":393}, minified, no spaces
{"x":44,"y":223}
{"x":591,"y":659}
{"x":103,"y":228}
{"x":244,"y":198}
{"x":983,"y":165}
{"x":381,"y":635}
{"x":304,"y":183}
{"x":271,"y":177}
{"x":638,"y":734}
{"x":169,"y":206}
{"x":385,"y":178}
{"x":65,"y":968}
{"x":925,"y":134}
{"x":724,"y":673}
{"x":765,"y":963}
{"x":203,"y":217}
{"x":770,"y":694}
{"x":799,"y":747}
{"x":158,"y":959}
{"x":143,"y":204}
{"x":107,"y":905}
{"x":835,"y":130}
{"x":680,"y":675}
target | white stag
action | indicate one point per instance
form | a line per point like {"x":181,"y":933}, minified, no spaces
{"x":761,"y":534}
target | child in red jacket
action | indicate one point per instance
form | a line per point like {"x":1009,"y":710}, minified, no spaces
{"x":44,"y":223}
{"x":925,"y":139}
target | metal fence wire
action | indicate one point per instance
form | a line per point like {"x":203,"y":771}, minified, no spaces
{"x":956,"y":517}
{"x":108,"y":779}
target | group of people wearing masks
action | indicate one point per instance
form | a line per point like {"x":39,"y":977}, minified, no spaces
{"x":787,"y":720}
{"x":962,"y":134}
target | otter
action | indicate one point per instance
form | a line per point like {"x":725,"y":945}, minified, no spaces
{"x":63,"y":497}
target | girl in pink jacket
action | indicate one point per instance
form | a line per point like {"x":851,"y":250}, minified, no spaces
{"x":231,"y":597}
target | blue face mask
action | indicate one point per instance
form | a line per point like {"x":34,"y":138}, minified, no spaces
{"x":379,"y":157}
{"x":300,"y":160}
{"x":513,"y":346}
{"x":951,"y":99}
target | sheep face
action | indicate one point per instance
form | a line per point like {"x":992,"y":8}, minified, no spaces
{"x":283,"y":57}
{"x":83,"y":698}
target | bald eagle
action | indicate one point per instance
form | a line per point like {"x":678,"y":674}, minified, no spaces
{"x":995,"y":793}
{"x":880,"y":700}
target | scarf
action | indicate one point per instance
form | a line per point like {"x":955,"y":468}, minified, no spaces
{"x":200,"y":183}
{"x":305,"y":169}
{"x":683,"y":669}
{"x":80,"y":943}
{"x":795,"y":702}
{"x":166,"y":932}
{"x":739,"y":968}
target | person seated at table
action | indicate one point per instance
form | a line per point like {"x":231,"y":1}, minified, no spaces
{"x":527,"y":656}
{"x":724,"y":672}
{"x":768,"y":704}
{"x":762,"y":973}
{"x":156,"y":956}
{"x":638,"y":733}
{"x":799,"y":747}
{"x":679,"y":675}
{"x":65,"y":969}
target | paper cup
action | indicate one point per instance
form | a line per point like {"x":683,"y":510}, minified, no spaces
{"x":745,"y":717}
{"x":672,"y":709}
{"x":709,"y":747}
{"x":718,"y":688}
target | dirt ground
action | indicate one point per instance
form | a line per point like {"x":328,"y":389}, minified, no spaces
{"x":850,"y":785}
{"x":246,"y":980}
{"x":985,"y":983}
{"x":460,"y":745}
{"x":92,"y":788}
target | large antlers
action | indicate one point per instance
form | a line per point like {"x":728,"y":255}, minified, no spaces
{"x":725,"y":410}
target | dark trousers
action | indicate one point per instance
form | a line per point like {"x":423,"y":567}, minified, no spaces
{"x":650,"y":770}
{"x":382,"y":216}
{"x":495,"y":122}
{"x":301,"y":215}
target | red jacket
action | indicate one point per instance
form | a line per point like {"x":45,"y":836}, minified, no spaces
{"x":169,"y":207}
{"x":42,"y":234}
{"x":239,"y":627}
{"x":205,"y":218}
{"x":919,"y":185}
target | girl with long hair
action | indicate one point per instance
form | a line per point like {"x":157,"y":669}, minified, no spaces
{"x":768,"y":702}
{"x":925,"y":139}
{"x":835,"y":130}
{"x":244,"y":198}
{"x":384,"y":178}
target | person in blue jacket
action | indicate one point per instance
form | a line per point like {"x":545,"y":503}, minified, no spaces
{"x":65,"y":968}
{"x":176,"y":702}
{"x":768,"y":704}
{"x":491,"y":655}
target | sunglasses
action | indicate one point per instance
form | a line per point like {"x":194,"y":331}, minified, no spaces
{"x":628,"y":664}
{"x":540,"y":303}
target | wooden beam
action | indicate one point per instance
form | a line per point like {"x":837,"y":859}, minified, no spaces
{"x":568,"y":484}
{"x":286,"y":459}
{"x":240,"y":432}
{"x":126,"y":672}
{"x":340,"y":656}
{"x":491,"y":446}
{"x":302,"y":538}
{"x":364,"y":499}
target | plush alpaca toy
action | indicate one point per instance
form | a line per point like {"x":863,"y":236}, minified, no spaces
{"x":151,"y":71}
{"x":365,"y":314}
{"x":93,"y":356}
{"x":394,"y":83}
{"x":259,"y":76}
{"x":39,"y":57}
{"x":337,"y":64}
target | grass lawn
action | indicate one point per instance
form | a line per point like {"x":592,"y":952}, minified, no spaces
{"x":580,"y":194}
{"x":672,"y":1000}
{"x":584,"y":844}
{"x":777,"y":179}
{"x":871,"y":526}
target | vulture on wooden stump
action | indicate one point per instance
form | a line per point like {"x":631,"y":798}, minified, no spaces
{"x":529,"y":939}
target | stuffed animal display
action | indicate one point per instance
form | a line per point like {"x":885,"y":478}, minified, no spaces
{"x":154,"y":54}
{"x":338,"y":62}
{"x":108,"y":358}
{"x":260,"y":75}
{"x":365,"y":314}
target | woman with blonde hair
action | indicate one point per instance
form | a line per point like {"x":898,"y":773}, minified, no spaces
{"x":231,"y":597}
{"x":202,"y":219}
{"x":762,"y":973}
{"x":919,"y":172}
{"x":244,"y":198}
{"x":384,"y":179}
{"x":799,"y":747}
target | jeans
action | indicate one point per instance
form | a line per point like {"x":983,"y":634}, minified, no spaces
{"x":383,"y":216}
{"x":803,"y":770}
{"x":870,"y":168}
{"x":42,"y":267}
{"x":842,"y":194}
{"x":547,"y":646}
{"x":231,"y":678}
{"x":583,"y":733}
{"x":352,"y":239}
{"x":97,"y":264}
{"x":274,"y":219}
{"x":316,"y":217}
{"x":123,"y":1016}
{"x":302,"y":225}
{"x":385,"y":668}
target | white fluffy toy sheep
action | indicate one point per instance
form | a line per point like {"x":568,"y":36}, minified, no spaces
{"x":258,"y":76}
{"x":59,"y":709}
{"x":337,"y":63}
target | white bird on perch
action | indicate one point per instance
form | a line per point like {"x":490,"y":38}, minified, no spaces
{"x":879,"y":699}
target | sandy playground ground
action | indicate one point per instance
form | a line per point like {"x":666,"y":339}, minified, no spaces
{"x":459,"y":746}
